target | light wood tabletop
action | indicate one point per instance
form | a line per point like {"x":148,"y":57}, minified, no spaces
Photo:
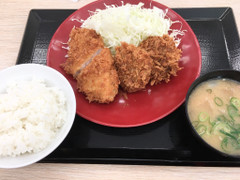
{"x":13,"y":19}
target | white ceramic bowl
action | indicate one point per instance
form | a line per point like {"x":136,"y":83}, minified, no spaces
{"x":52,"y":78}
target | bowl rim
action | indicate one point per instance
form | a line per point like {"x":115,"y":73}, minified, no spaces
{"x":15,"y":162}
{"x":215,"y":74}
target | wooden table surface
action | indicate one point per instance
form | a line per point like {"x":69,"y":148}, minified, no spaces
{"x":13,"y":18}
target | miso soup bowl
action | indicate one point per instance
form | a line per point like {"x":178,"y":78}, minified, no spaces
{"x":218,"y":74}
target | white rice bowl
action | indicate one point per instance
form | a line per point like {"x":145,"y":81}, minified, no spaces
{"x":52,"y":78}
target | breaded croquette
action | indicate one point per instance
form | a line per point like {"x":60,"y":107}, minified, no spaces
{"x":165,"y":56}
{"x":134,"y":67}
{"x":99,"y":80}
{"x":92,"y":66}
{"x":98,"y":75}
{"x":83,"y":43}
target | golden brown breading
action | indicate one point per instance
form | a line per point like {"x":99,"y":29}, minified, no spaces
{"x":134,"y":67}
{"x":83,"y":44}
{"x":99,"y":80}
{"x":165,"y":56}
{"x":92,"y":65}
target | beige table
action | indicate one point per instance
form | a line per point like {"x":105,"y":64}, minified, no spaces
{"x":13,"y":18}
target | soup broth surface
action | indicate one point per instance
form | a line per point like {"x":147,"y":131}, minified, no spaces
{"x":214,"y":110}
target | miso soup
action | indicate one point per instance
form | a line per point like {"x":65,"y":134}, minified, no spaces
{"x":214,"y":111}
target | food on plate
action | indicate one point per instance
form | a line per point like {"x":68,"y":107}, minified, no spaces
{"x":134,"y":67}
{"x":141,"y":42}
{"x":165,"y":56}
{"x":99,"y":79}
{"x":92,"y":65}
{"x":31,"y":115}
{"x":214,"y":111}
{"x":131,"y":24}
{"x":83,"y":45}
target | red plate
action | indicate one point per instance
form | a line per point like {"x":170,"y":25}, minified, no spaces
{"x":142,"y":107}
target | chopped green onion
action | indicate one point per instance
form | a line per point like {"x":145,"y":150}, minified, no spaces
{"x":235,"y":132}
{"x":222,"y":118}
{"x":224,"y":144}
{"x":235,"y":102}
{"x":218,"y":101}
{"x":232,"y":111}
{"x":195,"y":123}
{"x":201,"y":129}
{"x":236,"y":127}
{"x":238,"y":140}
{"x":214,"y":125}
{"x":203,"y":116}
{"x":209,"y":91}
{"x":231,"y":123}
{"x":238,"y":147}
{"x":218,"y":126}
{"x":212,"y":122}
{"x":227,"y":134}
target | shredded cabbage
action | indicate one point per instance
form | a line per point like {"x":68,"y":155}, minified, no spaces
{"x":130,"y":23}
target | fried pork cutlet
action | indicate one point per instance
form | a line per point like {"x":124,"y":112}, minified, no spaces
{"x":99,"y":79}
{"x":134,"y":67}
{"x":83,"y":43}
{"x":165,"y":56}
{"x":92,"y":66}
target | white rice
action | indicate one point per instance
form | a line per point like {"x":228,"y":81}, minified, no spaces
{"x":31,"y":114}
